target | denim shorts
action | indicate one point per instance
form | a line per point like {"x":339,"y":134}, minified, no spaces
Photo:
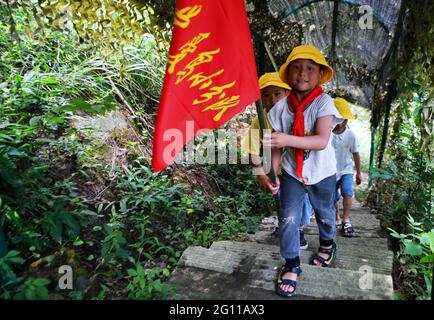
{"x":292,"y":194}
{"x":345,"y":183}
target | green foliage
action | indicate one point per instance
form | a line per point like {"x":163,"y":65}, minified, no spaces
{"x":77,"y":104}
{"x":40,"y":207}
{"x":163,"y":218}
{"x":137,"y":232}
{"x":33,"y":289}
{"x":7,"y":275}
{"x":107,"y":23}
{"x":145,"y":284}
{"x":179,"y":218}
{"x":114,"y":242}
{"x":406,"y":185}
{"x":416,"y":257}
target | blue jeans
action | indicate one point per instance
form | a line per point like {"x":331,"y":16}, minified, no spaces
{"x":307,"y":211}
{"x":345,"y":183}
{"x":292,"y":193}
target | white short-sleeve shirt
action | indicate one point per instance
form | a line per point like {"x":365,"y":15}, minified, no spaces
{"x":345,"y":144}
{"x":318,"y":164}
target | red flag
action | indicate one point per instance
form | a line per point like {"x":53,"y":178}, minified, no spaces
{"x":210,"y":75}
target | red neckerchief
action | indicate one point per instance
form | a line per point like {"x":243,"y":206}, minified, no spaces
{"x":298,"y":129}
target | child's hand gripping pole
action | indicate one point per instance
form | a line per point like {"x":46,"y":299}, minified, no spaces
{"x":271,"y":174}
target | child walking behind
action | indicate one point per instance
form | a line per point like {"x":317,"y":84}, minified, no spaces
{"x":346,"y":147}
{"x":273,"y":89}
{"x":303,"y":123}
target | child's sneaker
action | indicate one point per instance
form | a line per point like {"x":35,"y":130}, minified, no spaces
{"x":303,"y":242}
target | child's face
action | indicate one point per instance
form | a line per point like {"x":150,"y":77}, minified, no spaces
{"x":271,"y":95}
{"x":341,"y":125}
{"x":304,"y":75}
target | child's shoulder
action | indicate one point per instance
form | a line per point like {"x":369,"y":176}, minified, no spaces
{"x":324,"y":104}
{"x":350,"y":132}
{"x":324,"y":100}
{"x":281,"y":105}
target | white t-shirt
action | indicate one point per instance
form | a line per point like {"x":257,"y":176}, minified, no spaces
{"x":318,"y":164}
{"x":345,"y":144}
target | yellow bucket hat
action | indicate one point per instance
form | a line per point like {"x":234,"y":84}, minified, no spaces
{"x":307,"y":52}
{"x":272,"y":79}
{"x":343,"y":107}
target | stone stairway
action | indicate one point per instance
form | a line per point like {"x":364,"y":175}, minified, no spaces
{"x":247,"y":270}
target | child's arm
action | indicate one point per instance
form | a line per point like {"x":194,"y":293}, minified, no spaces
{"x":276,"y":156}
{"x":264,"y":180}
{"x":315,"y":142}
{"x":356,"y":157}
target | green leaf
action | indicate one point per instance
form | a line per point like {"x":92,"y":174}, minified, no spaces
{"x":30,"y":294}
{"x":426,"y":239}
{"x":16,"y":152}
{"x":142,"y":283}
{"x":412,"y":248}
{"x":17,"y":260}
{"x":6,"y":137}
{"x":427,"y":259}
{"x":397,"y":235}
{"x":123,"y":205}
{"x":56,"y":120}
{"x":157,"y":285}
{"x":132,"y":272}
{"x":97,"y":228}
{"x":87,"y":212}
{"x":13,"y":257}
{"x":412,"y":222}
{"x":48,"y":81}
{"x":166,"y":272}
{"x":78,"y":242}
{"x":35,"y":120}
{"x":77,"y":104}
{"x":428,"y":283}
{"x":41,"y":282}
{"x":410,"y":219}
{"x":100,"y":207}
{"x":42,"y":293}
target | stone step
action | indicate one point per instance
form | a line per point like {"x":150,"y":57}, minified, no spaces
{"x":327,"y":283}
{"x":366,"y":226}
{"x":199,"y":284}
{"x":356,"y":208}
{"x":313,"y":239}
{"x":220,"y":261}
{"x":361,"y":232}
{"x":247,"y":270}
{"x":367,"y":221}
{"x":348,"y":257}
{"x":260,"y":266}
{"x":266,"y":237}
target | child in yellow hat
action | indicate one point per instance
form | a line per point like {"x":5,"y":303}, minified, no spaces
{"x":273,"y":89}
{"x":346,"y":148}
{"x":303,"y":123}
